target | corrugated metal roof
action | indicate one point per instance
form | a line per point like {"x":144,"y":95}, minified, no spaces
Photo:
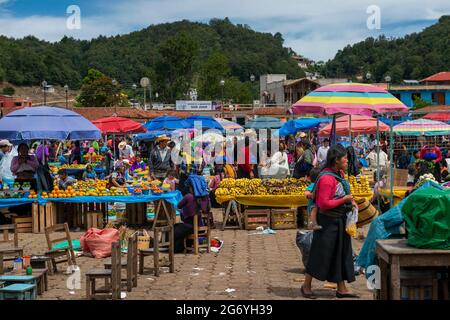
{"x":440,"y":76}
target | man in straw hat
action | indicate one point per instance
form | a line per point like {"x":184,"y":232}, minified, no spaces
{"x":160,"y":161}
{"x":125,"y":151}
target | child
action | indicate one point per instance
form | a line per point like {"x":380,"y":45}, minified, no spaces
{"x":312,"y":209}
{"x":214,"y":184}
{"x":138,"y":164}
{"x":171,"y":180}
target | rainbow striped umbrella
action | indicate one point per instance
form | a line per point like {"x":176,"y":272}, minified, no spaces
{"x":422,"y":127}
{"x":348,"y":98}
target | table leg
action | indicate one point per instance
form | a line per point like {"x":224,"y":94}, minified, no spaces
{"x":395,"y":278}
{"x":384,"y":285}
{"x":1,"y":263}
{"x":227,"y":213}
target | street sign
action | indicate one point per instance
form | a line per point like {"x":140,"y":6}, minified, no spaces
{"x":189,"y":105}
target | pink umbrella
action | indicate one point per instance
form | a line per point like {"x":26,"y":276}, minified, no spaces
{"x":359,"y":125}
{"x":348,"y":98}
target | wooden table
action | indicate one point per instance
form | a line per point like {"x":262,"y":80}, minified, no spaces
{"x":39,"y":278}
{"x":395,"y":254}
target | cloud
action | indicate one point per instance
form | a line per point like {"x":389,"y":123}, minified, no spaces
{"x":316,"y":29}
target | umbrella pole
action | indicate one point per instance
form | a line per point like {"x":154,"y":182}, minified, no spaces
{"x":350,"y":129}
{"x":333,"y":131}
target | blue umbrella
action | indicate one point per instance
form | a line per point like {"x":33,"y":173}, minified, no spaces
{"x":45,"y":122}
{"x":151,"y":135}
{"x":206,"y":122}
{"x":264,"y":123}
{"x":166,"y":123}
{"x":293,"y":126}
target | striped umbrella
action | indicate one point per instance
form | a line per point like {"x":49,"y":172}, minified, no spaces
{"x":229,"y":125}
{"x":348,"y":98}
{"x":422,"y":127}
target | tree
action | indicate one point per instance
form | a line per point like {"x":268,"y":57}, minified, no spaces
{"x":174,"y":68}
{"x":215,"y":69}
{"x":9,"y":91}
{"x":236,"y":91}
{"x":98,"y":90}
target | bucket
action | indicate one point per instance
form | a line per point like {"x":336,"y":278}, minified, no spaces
{"x":366,"y":212}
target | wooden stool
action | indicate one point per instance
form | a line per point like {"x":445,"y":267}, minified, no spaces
{"x":130,"y":263}
{"x":112,"y":275}
{"x":18,"y":291}
{"x":167,"y":243}
{"x":203,"y":231}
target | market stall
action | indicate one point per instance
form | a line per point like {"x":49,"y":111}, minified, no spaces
{"x":272,"y":193}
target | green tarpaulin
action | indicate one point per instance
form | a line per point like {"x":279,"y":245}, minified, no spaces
{"x":427,"y":217}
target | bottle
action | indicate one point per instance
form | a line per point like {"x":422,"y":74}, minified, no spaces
{"x":29,"y":270}
{"x":18,"y":265}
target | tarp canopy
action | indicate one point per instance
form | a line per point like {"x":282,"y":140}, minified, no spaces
{"x":359,"y":125}
{"x":53,"y":123}
{"x":166,"y":123}
{"x":151,"y":135}
{"x":264,"y":123}
{"x":444,"y":117}
{"x":293,"y":126}
{"x":348,"y":98}
{"x":205,"y":122}
{"x":118,"y":125}
{"x":229,"y":125}
{"x":422,"y":127}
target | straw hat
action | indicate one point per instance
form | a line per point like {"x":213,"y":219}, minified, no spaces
{"x":5,"y":143}
{"x":302,"y":135}
{"x":162,"y":138}
{"x":122,"y":145}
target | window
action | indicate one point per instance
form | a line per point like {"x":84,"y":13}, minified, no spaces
{"x":18,"y":104}
{"x":416,"y":95}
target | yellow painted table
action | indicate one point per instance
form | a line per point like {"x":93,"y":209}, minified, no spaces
{"x":398,"y":193}
{"x":276,"y":201}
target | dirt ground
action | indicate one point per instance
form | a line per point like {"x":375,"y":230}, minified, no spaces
{"x":263,"y":267}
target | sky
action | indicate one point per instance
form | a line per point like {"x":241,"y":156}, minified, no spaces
{"x":316,"y":29}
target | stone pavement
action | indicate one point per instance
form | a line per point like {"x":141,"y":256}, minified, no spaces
{"x":256,"y":266}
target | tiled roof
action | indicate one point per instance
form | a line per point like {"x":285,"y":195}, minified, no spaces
{"x":95,"y":113}
{"x":270,"y":111}
{"x":440,"y":76}
{"x":435,"y":108}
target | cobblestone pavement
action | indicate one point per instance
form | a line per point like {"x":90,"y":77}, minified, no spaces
{"x":256,"y":266}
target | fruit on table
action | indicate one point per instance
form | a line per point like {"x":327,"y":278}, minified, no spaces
{"x":360,"y":187}
{"x":289,"y":186}
{"x":32,"y":195}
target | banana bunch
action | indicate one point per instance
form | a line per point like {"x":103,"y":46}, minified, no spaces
{"x":359,"y":187}
{"x":227,"y":183}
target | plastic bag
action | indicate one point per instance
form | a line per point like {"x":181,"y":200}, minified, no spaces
{"x":350,"y":225}
{"x":304,"y":241}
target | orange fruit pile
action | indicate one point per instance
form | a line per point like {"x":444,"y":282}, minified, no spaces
{"x":57,"y":193}
{"x":32,"y":195}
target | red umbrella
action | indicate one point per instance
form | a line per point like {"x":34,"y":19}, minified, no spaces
{"x":118,"y":125}
{"x":359,"y":125}
{"x":445,"y":117}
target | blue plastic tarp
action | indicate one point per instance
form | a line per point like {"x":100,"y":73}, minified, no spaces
{"x":151,"y":135}
{"x":13,"y":202}
{"x":166,"y":123}
{"x":205,"y":121}
{"x":264,"y":123}
{"x":37,"y":123}
{"x":172,"y":197}
{"x":293,"y":126}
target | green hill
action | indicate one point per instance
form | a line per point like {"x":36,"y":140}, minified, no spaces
{"x":147,"y":52}
{"x":414,"y":56}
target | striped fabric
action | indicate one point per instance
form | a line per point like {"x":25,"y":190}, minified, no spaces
{"x":422,"y":127}
{"x":348,"y":98}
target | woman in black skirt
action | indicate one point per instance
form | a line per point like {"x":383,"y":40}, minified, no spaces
{"x":331,"y":249}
